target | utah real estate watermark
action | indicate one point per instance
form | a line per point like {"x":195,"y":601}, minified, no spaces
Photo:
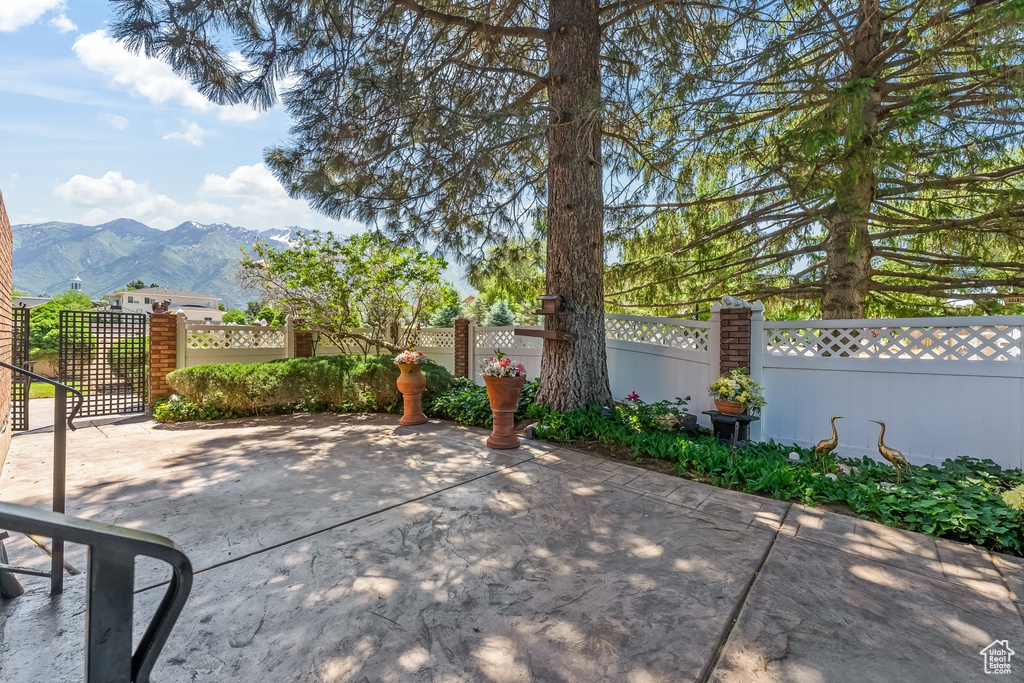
{"x":997,"y":657}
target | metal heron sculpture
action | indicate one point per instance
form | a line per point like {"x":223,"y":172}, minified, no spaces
{"x":825,"y":447}
{"x":891,"y":454}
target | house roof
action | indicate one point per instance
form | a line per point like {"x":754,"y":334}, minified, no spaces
{"x":166,"y":291}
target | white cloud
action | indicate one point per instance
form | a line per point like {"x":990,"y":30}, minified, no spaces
{"x":254,"y":181}
{"x":148,"y":78}
{"x":115,"y":120}
{"x":62,"y":23}
{"x":249,"y":196}
{"x":16,"y":14}
{"x":192,"y":133}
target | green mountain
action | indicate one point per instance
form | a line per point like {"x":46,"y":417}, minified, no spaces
{"x":194,"y":257}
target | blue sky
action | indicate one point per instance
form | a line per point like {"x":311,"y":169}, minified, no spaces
{"x":91,"y":132}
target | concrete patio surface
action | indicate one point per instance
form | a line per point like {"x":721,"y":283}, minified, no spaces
{"x":346,"y":548}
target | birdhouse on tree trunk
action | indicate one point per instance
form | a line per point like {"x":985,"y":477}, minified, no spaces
{"x":550,"y":305}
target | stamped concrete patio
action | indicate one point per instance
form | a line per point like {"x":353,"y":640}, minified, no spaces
{"x":344,"y":548}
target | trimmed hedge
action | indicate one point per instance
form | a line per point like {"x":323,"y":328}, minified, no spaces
{"x":335,"y":383}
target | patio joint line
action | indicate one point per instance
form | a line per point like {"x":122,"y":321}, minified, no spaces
{"x":1006,"y":584}
{"x":338,"y":525}
{"x":712,"y":663}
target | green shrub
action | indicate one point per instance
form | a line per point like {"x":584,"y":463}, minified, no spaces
{"x":345,"y":383}
{"x":466,"y":402}
{"x":959,"y":499}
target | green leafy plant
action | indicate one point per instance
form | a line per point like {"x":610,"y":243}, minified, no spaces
{"x":466,"y":402}
{"x":662,"y":415}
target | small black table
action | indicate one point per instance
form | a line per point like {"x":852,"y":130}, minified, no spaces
{"x":724,"y":426}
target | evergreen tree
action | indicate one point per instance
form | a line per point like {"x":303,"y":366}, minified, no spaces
{"x":862,"y":153}
{"x":453,"y":122}
{"x":445,"y":317}
{"x":478,"y":309}
{"x":500,"y":315}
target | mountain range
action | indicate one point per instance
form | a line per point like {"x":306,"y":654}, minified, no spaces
{"x":191,"y":256}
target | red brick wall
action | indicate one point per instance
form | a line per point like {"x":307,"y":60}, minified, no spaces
{"x":163,"y":354}
{"x":734,"y":334}
{"x":6,"y":288}
{"x":462,"y":347}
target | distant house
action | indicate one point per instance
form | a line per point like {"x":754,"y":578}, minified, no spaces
{"x":201,"y":307}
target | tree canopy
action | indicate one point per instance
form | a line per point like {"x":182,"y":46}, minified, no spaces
{"x":453,"y":123}
{"x":361,"y":289}
{"x":849,"y":153}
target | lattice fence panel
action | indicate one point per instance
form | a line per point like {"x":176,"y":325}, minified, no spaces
{"x":104,"y":355}
{"x":953,"y":342}
{"x":664,"y":334}
{"x":234,"y":337}
{"x":437,"y":338}
{"x":504,"y":338}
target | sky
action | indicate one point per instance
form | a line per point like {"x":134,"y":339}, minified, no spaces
{"x":90,"y":132}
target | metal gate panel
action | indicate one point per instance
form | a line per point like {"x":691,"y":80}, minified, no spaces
{"x":104,"y":354}
{"x":19,"y":357}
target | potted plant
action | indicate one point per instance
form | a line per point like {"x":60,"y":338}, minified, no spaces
{"x":736,"y":393}
{"x":504,"y":379}
{"x":411,"y":383}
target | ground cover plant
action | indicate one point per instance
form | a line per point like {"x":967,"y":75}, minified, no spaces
{"x":466,"y":402}
{"x":336,"y":383}
{"x":961,"y":499}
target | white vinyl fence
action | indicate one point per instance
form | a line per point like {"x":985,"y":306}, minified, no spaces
{"x":201,"y":343}
{"x":438,"y":343}
{"x":662,"y":358}
{"x":943,"y":386}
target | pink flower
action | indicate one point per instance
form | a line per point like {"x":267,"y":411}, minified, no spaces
{"x":521,"y":368}
{"x":505,"y":362}
{"x":633,"y":396}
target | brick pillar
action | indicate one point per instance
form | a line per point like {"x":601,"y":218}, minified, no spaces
{"x":462,"y":347}
{"x":163,"y":354}
{"x":734,"y":339}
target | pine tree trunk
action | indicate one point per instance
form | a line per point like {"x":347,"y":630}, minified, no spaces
{"x":848,"y":246}
{"x":575,"y":373}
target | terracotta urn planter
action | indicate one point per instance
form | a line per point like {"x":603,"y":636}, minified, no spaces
{"x":412,"y":383}
{"x":729,"y":407}
{"x":503,"y":394}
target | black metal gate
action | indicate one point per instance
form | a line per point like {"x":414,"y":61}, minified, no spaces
{"x":19,"y":357}
{"x":104,"y":354}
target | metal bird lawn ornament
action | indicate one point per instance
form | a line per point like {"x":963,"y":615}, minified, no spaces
{"x":825,"y":447}
{"x":891,"y":454}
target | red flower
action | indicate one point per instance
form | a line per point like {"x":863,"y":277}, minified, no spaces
{"x":505,"y":362}
{"x":633,"y":396}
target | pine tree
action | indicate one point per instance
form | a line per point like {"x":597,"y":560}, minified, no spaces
{"x":864,"y":154}
{"x":445,"y":316}
{"x":453,"y":122}
{"x":500,"y":315}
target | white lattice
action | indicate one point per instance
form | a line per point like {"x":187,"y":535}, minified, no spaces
{"x":951,"y":342}
{"x":440,"y":338}
{"x":504,"y":338}
{"x":673,"y":334}
{"x":234,"y":337}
